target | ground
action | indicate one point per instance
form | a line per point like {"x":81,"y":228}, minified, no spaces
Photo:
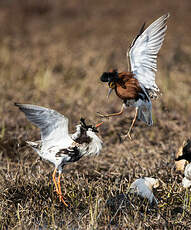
{"x":52,"y":54}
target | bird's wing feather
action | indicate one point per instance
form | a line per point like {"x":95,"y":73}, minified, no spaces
{"x":143,"y":52}
{"x":52,"y":124}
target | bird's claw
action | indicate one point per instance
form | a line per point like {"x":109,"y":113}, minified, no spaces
{"x":123,"y":137}
{"x":128,"y":134}
{"x":55,"y":190}
{"x":62,"y":200}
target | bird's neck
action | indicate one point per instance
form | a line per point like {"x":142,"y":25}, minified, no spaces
{"x":95,"y":145}
{"x":80,"y":136}
{"x":124,"y":77}
{"x":77,"y":133}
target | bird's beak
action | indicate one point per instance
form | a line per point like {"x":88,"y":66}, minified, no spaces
{"x":109,"y":92}
{"x":99,"y":124}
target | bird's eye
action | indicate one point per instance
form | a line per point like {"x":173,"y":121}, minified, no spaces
{"x":112,"y":85}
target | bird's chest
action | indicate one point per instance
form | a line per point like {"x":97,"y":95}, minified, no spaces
{"x":83,"y":138}
{"x":71,"y":154}
{"x":130,"y":91}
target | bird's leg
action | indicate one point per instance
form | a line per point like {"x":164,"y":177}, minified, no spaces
{"x":60,"y":192}
{"x":54,"y":180}
{"x":133,"y":122}
{"x":112,"y":114}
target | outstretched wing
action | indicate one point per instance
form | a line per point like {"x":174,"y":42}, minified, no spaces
{"x":52,"y":124}
{"x":143,"y":52}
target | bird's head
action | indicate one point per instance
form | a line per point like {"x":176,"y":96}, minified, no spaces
{"x":89,"y":127}
{"x":112,"y":78}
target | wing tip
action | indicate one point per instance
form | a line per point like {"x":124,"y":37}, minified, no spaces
{"x":17,"y":104}
{"x":167,"y":15}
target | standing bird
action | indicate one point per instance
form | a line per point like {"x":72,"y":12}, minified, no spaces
{"x":137,"y":86}
{"x":56,"y":144}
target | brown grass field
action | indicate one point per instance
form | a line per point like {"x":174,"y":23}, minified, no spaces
{"x":52,"y":54}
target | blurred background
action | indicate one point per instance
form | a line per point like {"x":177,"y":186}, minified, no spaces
{"x":52,"y":54}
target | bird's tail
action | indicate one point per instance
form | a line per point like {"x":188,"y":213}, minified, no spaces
{"x":35,"y":145}
{"x":32,"y":144}
{"x":145,"y":112}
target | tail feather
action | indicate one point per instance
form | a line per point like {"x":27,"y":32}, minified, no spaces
{"x":35,"y":145}
{"x":32,"y":144}
{"x":145,"y":112}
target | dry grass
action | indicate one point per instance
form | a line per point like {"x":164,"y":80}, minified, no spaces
{"x":52,"y":54}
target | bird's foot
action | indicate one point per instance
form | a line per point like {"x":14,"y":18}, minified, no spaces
{"x":123,"y":137}
{"x":61,"y":197}
{"x":102,"y":115}
{"x":62,"y":200}
{"x":56,"y":190}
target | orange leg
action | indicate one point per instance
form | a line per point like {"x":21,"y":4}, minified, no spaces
{"x":112,"y":114}
{"x":54,"y":180}
{"x":60,"y":192}
{"x":132,"y":124}
{"x":58,"y":188}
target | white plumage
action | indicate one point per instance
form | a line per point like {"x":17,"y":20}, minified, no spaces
{"x":56,"y":144}
{"x":186,"y":182}
{"x":143,"y":53}
{"x":143,"y":188}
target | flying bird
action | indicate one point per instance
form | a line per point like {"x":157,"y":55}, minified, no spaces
{"x":56,"y":144}
{"x":137,"y":86}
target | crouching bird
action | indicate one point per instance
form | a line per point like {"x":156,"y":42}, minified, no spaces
{"x":137,"y":86}
{"x":56,"y":144}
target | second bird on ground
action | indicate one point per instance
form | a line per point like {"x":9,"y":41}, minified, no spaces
{"x":56,"y":144}
{"x":137,"y":86}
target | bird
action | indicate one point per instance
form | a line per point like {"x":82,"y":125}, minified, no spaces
{"x":186,"y":181}
{"x":180,"y":164}
{"x":137,"y":86}
{"x":56,"y":144}
{"x":186,"y":155}
{"x":186,"y":152}
{"x":143,"y":187}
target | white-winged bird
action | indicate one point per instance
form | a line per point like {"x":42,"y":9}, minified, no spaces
{"x":137,"y":86}
{"x":56,"y":144}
